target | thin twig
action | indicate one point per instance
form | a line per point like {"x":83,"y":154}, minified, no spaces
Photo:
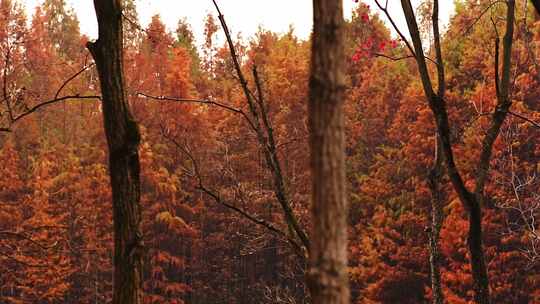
{"x":394,"y":25}
{"x":266,"y":144}
{"x":479,"y":17}
{"x":86,"y":67}
{"x":217,"y":198}
{"x":46,"y":103}
{"x":532,"y":122}
{"x":27,"y":238}
{"x":201,"y":101}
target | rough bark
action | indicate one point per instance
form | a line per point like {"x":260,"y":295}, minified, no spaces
{"x":123,"y":140}
{"x":472,"y":201}
{"x":437,"y":214}
{"x":328,"y":279}
{"x":437,"y":219}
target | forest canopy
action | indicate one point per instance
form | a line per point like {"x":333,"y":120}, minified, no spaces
{"x":214,"y":156}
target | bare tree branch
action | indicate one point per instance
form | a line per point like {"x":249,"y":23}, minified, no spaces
{"x":393,"y":58}
{"x":202,"y":101}
{"x":471,"y":201}
{"x":46,"y":103}
{"x":479,"y":17}
{"x":13,"y":117}
{"x":520,"y":116}
{"x":394,"y":25}
{"x":267,"y":144}
{"x":86,"y":67}
{"x":503,"y":104}
{"x":217,"y":198}
{"x":27,"y":238}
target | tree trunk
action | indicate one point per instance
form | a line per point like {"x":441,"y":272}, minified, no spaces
{"x":471,"y":201}
{"x":437,"y":218}
{"x":476,"y":250}
{"x":123,"y":140}
{"x":328,"y":278}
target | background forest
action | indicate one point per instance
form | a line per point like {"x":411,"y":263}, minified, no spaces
{"x":209,"y":199}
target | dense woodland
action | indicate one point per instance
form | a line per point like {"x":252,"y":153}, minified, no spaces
{"x":224,"y":151}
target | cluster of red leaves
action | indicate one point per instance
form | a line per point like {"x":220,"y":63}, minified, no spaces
{"x":373,"y":45}
{"x":370,"y":48}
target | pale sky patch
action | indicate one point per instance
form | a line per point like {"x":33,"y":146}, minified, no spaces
{"x":243,"y":16}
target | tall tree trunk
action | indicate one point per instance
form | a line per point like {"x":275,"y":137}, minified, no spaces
{"x":328,"y":278}
{"x":476,"y":250}
{"x":472,"y":201}
{"x":437,"y":218}
{"x":123,"y":140}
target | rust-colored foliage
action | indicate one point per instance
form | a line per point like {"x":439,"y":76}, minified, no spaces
{"x":56,"y":228}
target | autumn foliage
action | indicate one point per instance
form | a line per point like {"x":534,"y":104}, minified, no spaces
{"x":55,"y":211}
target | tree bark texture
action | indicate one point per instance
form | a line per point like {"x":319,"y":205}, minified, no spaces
{"x":437,"y":219}
{"x":123,"y":140}
{"x":328,"y":278}
{"x":472,"y":200}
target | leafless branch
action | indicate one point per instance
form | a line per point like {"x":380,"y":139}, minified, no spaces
{"x":202,"y":101}
{"x":86,"y":67}
{"x":392,"y":58}
{"x":27,"y":238}
{"x":524,"y":202}
{"x":520,"y":116}
{"x":46,"y":103}
{"x":438,"y":51}
{"x":217,"y":198}
{"x":263,"y":135}
{"x":7,"y":99}
{"x":503,"y":102}
{"x":479,"y":17}
{"x":394,"y":25}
